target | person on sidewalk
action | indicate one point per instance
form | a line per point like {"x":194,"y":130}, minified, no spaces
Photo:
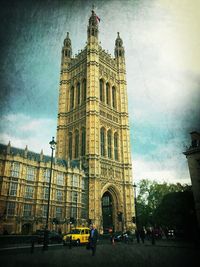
{"x":153,"y":237}
{"x":142,"y":234}
{"x":93,"y":239}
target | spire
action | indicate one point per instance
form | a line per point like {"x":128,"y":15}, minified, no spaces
{"x":67,"y":48}
{"x":119,"y":49}
{"x":26,"y":151}
{"x":93,"y":25}
{"x":8,"y":148}
{"x":41,"y":155}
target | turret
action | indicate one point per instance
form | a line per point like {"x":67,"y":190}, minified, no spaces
{"x":67,"y":49}
{"x":119,"y":49}
{"x":93,"y":27}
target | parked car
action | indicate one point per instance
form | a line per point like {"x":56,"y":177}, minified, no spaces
{"x":54,"y":237}
{"x":78,"y":235}
{"x":119,"y":236}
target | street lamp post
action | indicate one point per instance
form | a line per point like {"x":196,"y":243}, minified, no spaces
{"x":46,"y":237}
{"x":135,"y":200}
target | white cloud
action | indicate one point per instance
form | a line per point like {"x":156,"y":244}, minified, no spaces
{"x":23,"y":130}
{"x":165,"y":163}
{"x":154,"y":171}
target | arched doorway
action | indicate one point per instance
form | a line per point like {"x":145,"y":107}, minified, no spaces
{"x":107,"y":212}
{"x":27,"y":228}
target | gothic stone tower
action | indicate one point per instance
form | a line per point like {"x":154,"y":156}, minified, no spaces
{"x":93,"y":127}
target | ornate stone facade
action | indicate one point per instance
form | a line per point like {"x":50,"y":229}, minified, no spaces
{"x":93,"y":127}
{"x":24,"y":187}
{"x":92,"y":171}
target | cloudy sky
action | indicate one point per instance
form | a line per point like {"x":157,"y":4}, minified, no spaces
{"x":162,"y":45}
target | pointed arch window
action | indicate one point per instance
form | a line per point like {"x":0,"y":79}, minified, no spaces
{"x":78,"y":94}
{"x":83,"y":142}
{"x":109,"y":138}
{"x":107,"y":94}
{"x":101,"y":93}
{"x":76,"y":144}
{"x":84,"y":90}
{"x":114,"y":97}
{"x":72,"y":97}
{"x":102,"y":134}
{"x":70,"y":145}
{"x":116,"y":146}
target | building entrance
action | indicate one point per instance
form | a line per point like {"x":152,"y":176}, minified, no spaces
{"x":27,"y":228}
{"x":107,"y":212}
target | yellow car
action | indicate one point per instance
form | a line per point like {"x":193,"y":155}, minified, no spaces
{"x":78,"y":235}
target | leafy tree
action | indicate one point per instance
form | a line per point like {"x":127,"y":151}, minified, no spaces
{"x":177,"y":211}
{"x":150,"y":196}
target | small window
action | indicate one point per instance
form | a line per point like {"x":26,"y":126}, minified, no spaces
{"x":116,"y":146}
{"x":76,"y":144}
{"x":83,"y":142}
{"x":13,"y":189}
{"x":15,"y":169}
{"x":75,"y":181}
{"x":84,"y":90}
{"x":107,"y":94}
{"x":59,"y":195}
{"x":58,"y":212}
{"x":30,"y":175}
{"x":70,"y":145}
{"x":109,"y":138}
{"x":10,"y":208}
{"x":60,"y":178}
{"x":78,"y":94}
{"x":74,"y":197}
{"x":44,"y":211}
{"x":72,"y":97}
{"x":29,"y":191}
{"x":27,"y":210}
{"x":47,"y":175}
{"x":46,"y":193}
{"x":102,"y":141}
{"x":101,"y":93}
{"x":114,"y":97}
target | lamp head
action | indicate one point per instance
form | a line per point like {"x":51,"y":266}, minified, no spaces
{"x":52,"y":143}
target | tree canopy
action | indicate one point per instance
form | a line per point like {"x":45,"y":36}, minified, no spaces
{"x":164,"y":204}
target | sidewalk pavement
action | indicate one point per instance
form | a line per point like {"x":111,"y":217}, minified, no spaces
{"x":162,"y":254}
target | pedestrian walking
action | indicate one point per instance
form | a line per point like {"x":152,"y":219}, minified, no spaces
{"x":153,"y":236}
{"x":142,"y":235}
{"x":137,"y":236}
{"x":112,"y":239}
{"x":93,"y":239}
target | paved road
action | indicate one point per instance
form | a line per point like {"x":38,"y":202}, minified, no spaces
{"x":163,"y":254}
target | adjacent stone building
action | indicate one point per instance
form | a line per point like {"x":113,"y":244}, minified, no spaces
{"x":24,"y":188}
{"x":193,"y":157}
{"x":93,"y":144}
